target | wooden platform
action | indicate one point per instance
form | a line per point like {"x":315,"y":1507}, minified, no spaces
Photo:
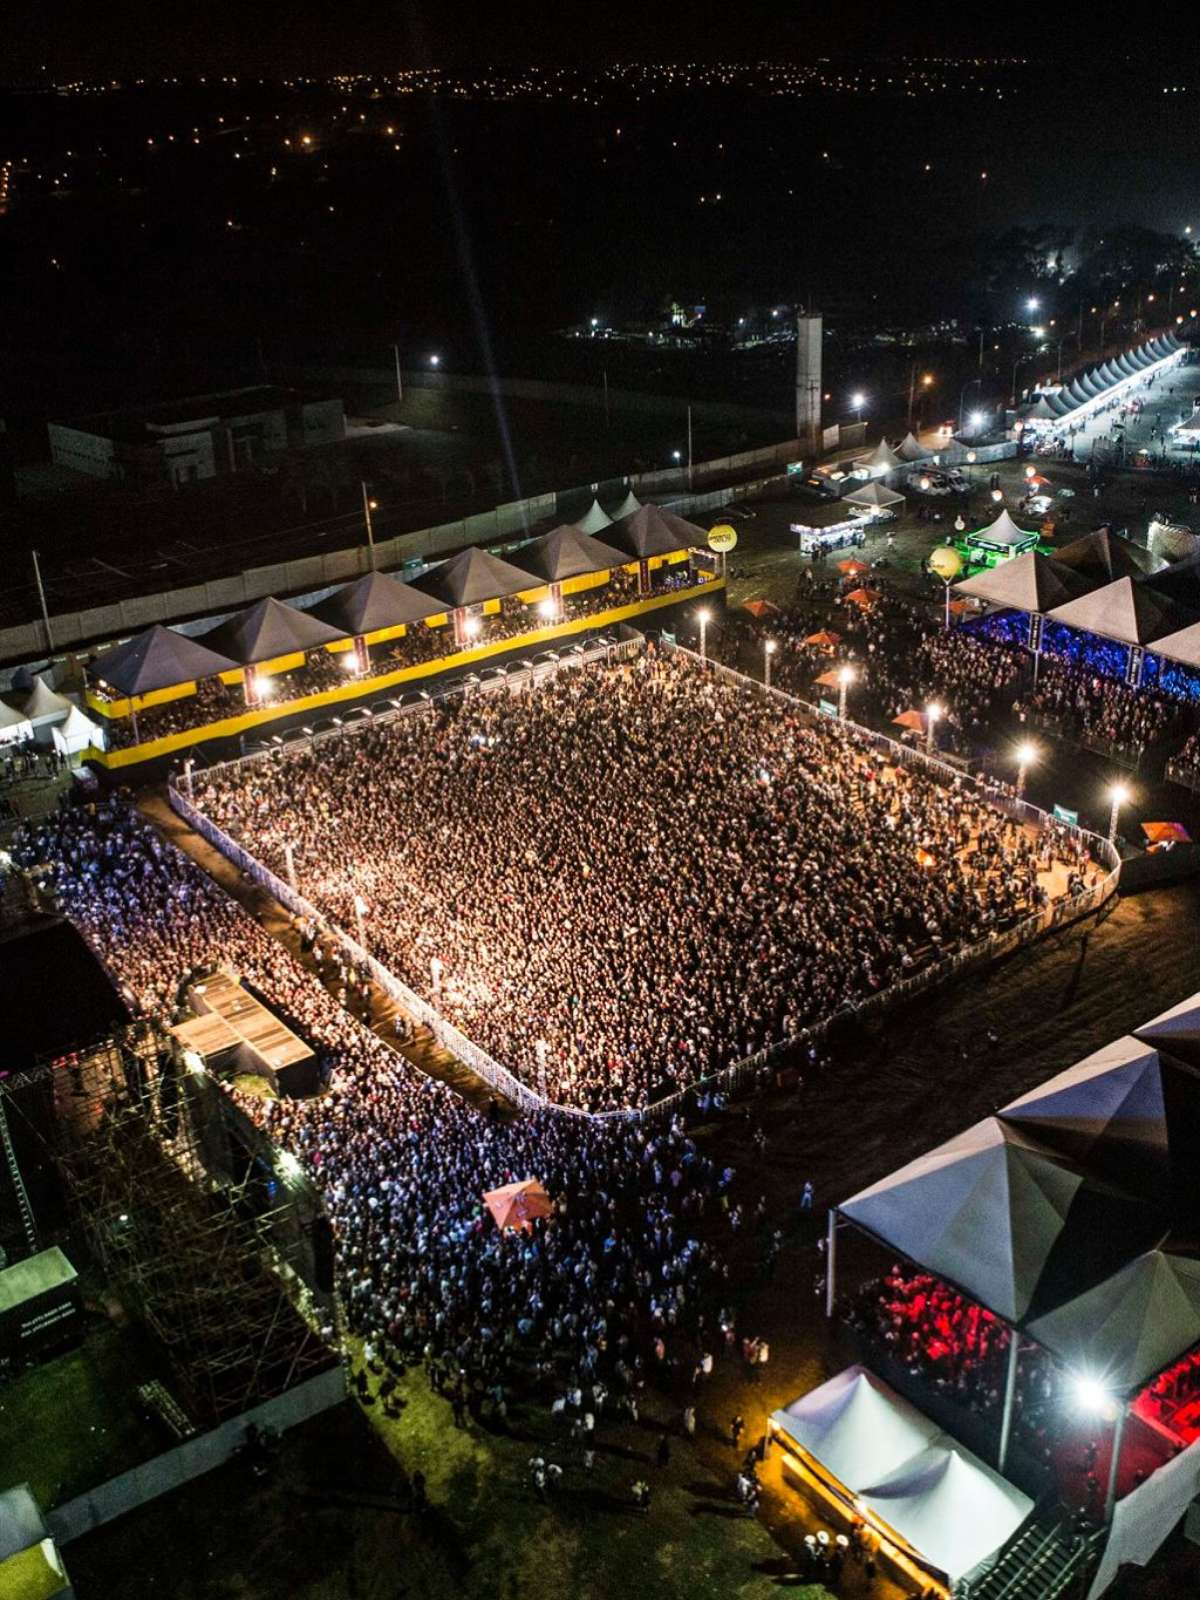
{"x":229,"y":1018}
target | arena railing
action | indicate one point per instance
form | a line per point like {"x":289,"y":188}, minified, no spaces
{"x":751,"y":1068}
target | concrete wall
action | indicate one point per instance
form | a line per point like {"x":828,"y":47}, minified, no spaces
{"x":320,"y":422}
{"x":174,"y":1468}
{"x":86,"y":452}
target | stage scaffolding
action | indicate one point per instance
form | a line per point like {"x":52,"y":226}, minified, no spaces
{"x":216,"y":1242}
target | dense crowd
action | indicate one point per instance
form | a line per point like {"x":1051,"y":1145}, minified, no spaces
{"x":1078,"y":702}
{"x":615,"y":1288}
{"x":626,"y":880}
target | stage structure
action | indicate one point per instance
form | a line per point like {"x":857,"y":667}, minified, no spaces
{"x":216,"y":1241}
{"x":232,"y":1031}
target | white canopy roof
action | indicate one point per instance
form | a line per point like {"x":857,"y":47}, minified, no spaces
{"x":13,"y":724}
{"x":938,"y":1497}
{"x":1003,"y":531}
{"x":595,"y":519}
{"x":1122,"y":610}
{"x":882,"y":459}
{"x":46,"y":704}
{"x":1183,"y":646}
{"x":876,"y":495}
{"x":950,"y":1507}
{"x":910,"y":448}
{"x":628,"y":506}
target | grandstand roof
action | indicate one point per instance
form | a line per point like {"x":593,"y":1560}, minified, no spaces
{"x":652,"y":531}
{"x":1128,"y":612}
{"x":1104,"y":555}
{"x":567,"y":552}
{"x":159,"y":658}
{"x":472,"y":577}
{"x":1029,"y":582}
{"x":1182,"y":646}
{"x":373,"y":602}
{"x":267,"y":630}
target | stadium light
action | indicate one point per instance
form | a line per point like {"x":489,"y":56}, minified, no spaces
{"x":471,"y":627}
{"x":435,"y":361}
{"x":933,"y":713}
{"x":1119,"y":794}
{"x":1027,"y":754}
{"x":546,"y":609}
{"x":1032,"y":303}
{"x":289,"y":1165}
{"x":845,"y":679}
{"x":858,"y":400}
{"x":1091,"y":1395}
{"x":702,"y":617}
{"x":769,"y":649}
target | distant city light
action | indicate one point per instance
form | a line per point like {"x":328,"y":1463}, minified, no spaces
{"x":1033,"y":302}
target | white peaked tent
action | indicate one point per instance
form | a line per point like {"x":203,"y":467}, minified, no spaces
{"x":596,"y":519}
{"x":628,"y":506}
{"x":75,"y":733}
{"x":874,"y":496}
{"x":1123,"y":610}
{"x":910,"y":448}
{"x":948,"y":1507}
{"x":15,"y":726}
{"x":1002,"y":534}
{"x":856,"y":1427}
{"x":46,"y":705}
{"x":882,"y":460}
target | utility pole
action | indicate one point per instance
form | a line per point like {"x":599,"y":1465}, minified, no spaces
{"x":399,"y":380}
{"x":37,"y":576}
{"x":689,"y":447}
{"x":370,"y":530}
{"x":607,"y":417}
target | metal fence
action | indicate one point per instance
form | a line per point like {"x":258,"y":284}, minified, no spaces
{"x":752,"y":1068}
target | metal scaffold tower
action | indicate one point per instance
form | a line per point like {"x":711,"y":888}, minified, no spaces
{"x":218,"y":1244}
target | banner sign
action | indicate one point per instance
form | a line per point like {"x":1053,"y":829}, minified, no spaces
{"x":1061,"y":814}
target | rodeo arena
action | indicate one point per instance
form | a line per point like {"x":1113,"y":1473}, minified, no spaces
{"x":573,"y":856}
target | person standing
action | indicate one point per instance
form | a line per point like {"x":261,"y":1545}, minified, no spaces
{"x":736,"y":1428}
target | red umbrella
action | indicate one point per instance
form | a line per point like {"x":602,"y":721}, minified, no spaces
{"x":910,"y":719}
{"x":826,"y":639}
{"x":863,"y":597}
{"x":516,"y":1205}
{"x":852,"y":567}
{"x":762,"y":608}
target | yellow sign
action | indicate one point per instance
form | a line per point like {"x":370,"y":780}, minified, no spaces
{"x":722,"y":538}
{"x":946,"y":562}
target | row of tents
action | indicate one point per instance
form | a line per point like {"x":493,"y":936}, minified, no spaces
{"x":161,"y":658}
{"x":1098,"y":382}
{"x":1100,"y":584}
{"x":38,"y":713}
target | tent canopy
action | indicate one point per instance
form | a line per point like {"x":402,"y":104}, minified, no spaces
{"x":373,"y":602}
{"x":652,"y":531}
{"x":876,"y":495}
{"x":14,"y":724}
{"x":1182,"y":646}
{"x":1003,"y":534}
{"x":910,"y":448}
{"x":1104,"y":555}
{"x":46,"y":704}
{"x":628,"y":506}
{"x":566,"y":552}
{"x":1029,"y":582}
{"x":270,"y":629}
{"x":518,"y":1205}
{"x":946,"y":1505}
{"x":1122,"y":610}
{"x":159,"y":658}
{"x":471,"y":577}
{"x":882,"y":459}
{"x":594,"y":519}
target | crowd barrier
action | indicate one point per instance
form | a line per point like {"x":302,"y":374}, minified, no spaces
{"x":750,"y":1069}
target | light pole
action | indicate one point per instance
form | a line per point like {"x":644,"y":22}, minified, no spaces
{"x":1026,"y":755}
{"x":1118,"y":794}
{"x":187,"y":775}
{"x":926,"y":382}
{"x":845,"y":679}
{"x":971,"y":383}
{"x":399,"y":379}
{"x":702,"y":618}
{"x":1017,"y":365}
{"x":369,"y":505}
{"x":769,"y":649}
{"x":933,"y":712}
{"x":858,"y":400}
{"x":289,"y":856}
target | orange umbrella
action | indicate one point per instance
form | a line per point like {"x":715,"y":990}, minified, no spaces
{"x":762,"y":608}
{"x":829,"y":680}
{"x":910,"y":719}
{"x":516,"y":1205}
{"x":957,"y":607}
{"x":825,"y":638}
{"x":852,"y":567}
{"x":863,"y":597}
{"x":1164,"y":832}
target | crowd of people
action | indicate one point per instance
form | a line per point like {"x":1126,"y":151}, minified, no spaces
{"x":621,"y":1286}
{"x":1077,"y":702}
{"x":628,"y":879}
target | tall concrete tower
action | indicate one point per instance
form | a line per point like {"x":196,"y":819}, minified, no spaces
{"x":808,"y":382}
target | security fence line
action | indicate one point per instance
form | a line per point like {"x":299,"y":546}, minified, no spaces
{"x":750,"y":1068}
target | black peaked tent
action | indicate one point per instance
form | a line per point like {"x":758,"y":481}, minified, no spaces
{"x":160,"y":658}
{"x":1104,"y":556}
{"x":567,"y":552}
{"x":269,"y":630}
{"x":651,"y":531}
{"x":472,"y":577}
{"x":374,"y":602}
